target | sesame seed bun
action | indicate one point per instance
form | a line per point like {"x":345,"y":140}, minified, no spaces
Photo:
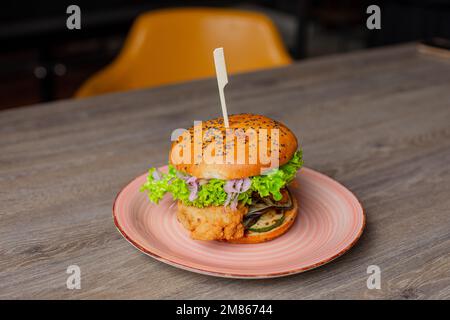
{"x":230,"y":168}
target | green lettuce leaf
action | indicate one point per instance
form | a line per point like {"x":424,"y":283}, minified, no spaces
{"x":212,"y":193}
{"x":272,"y":182}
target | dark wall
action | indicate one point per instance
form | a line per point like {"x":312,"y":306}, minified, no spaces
{"x":404,"y":21}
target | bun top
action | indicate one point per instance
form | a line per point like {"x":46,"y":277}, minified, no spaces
{"x":248,"y":149}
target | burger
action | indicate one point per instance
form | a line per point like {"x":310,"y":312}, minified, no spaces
{"x":228,"y":185}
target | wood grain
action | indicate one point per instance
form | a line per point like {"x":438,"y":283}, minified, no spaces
{"x":378,"y":121}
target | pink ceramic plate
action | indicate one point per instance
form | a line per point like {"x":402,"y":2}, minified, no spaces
{"x":329,"y":223}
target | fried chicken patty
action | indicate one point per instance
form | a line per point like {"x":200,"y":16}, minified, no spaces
{"x":212,"y":223}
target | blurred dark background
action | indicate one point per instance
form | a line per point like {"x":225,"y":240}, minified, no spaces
{"x":41,"y":60}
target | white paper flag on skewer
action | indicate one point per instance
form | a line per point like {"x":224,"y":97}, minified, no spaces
{"x":222,"y":80}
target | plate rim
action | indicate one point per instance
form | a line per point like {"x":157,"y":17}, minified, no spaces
{"x":233,"y":275}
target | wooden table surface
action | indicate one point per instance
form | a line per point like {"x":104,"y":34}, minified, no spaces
{"x":378,"y":121}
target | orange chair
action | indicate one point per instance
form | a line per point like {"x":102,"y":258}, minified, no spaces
{"x":176,"y":45}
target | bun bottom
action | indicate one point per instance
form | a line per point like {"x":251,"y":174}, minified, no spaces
{"x":258,"y":237}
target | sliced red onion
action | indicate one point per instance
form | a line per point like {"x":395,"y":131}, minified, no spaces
{"x":234,"y":203}
{"x":192,"y":185}
{"x":194,"y":193}
{"x":191,"y":180}
{"x":246,"y":185}
{"x":156,"y":175}
{"x":229,"y":186}
{"x":193,"y":188}
{"x":238,"y":186}
{"x":227,"y":201}
{"x":234,"y":188}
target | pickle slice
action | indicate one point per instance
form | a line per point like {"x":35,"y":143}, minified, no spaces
{"x":268,"y":221}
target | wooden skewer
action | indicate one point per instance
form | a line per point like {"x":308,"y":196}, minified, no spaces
{"x":222,"y":80}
